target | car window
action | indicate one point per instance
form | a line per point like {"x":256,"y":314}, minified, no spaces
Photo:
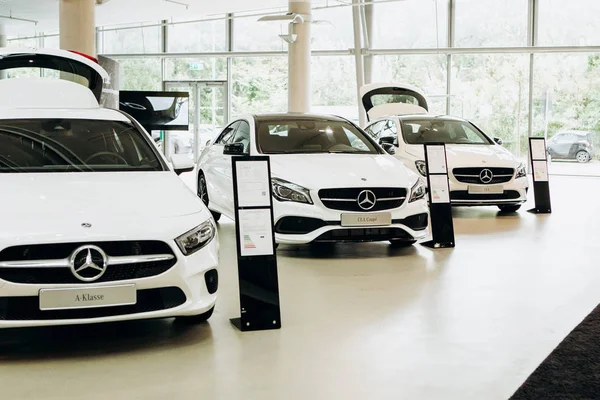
{"x":439,"y":130}
{"x":389,"y":129}
{"x":376,"y":128}
{"x":242,"y":135}
{"x":227,"y":134}
{"x":304,"y":135}
{"x":75,"y":145}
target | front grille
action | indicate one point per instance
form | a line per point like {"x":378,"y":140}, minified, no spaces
{"x":464,"y":195}
{"x":60,"y":275}
{"x":363,"y":235}
{"x":347,"y":199}
{"x":472,"y":175}
{"x":148,"y":300}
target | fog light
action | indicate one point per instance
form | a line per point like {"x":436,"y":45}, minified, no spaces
{"x":212,"y":280}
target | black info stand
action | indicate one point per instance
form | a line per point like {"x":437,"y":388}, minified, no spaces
{"x":257,"y":263}
{"x":440,"y":210}
{"x":539,"y":168}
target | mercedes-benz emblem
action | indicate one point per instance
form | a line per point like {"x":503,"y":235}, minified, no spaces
{"x":86,"y":225}
{"x":88,"y":263}
{"x":486,"y":176}
{"x":366,"y":200}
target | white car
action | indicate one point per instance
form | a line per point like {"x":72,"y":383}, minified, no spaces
{"x":330,"y":181}
{"x":481,"y":171}
{"x":96,"y":225}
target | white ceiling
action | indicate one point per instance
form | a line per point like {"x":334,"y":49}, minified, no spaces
{"x":115,"y":12}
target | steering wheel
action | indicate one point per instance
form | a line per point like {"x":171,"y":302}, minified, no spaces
{"x":106,"y":153}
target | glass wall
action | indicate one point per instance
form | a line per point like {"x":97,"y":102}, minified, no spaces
{"x":197,"y":37}
{"x":132,"y":40}
{"x":259,"y":84}
{"x":492,"y":90}
{"x":490,"y":23}
{"x":410,"y":24}
{"x":428,"y":72}
{"x":334,"y":86}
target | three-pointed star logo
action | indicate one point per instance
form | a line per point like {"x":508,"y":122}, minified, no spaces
{"x":366,"y":200}
{"x":88,"y":263}
{"x":486,"y":176}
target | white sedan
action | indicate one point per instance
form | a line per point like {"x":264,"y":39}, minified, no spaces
{"x":96,"y":225}
{"x":330,"y":181}
{"x":481,"y":171}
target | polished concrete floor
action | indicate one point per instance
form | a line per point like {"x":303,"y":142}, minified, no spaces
{"x":359,"y":321}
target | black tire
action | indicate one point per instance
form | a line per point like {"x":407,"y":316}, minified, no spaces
{"x":582,"y":157}
{"x":203,"y":194}
{"x":196,"y":319}
{"x":398,"y":243}
{"x":509,"y":208}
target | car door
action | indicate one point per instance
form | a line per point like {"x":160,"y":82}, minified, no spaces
{"x":564,"y":141}
{"x":216,"y":168}
{"x":241,"y":135}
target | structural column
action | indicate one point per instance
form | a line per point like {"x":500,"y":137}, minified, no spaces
{"x":299,"y":76}
{"x":77,"y":25}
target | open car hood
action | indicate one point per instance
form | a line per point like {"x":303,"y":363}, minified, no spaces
{"x":384,"y":99}
{"x":72,"y":66}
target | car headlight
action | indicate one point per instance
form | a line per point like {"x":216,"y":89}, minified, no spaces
{"x":420,"y":164}
{"x":418,"y":191}
{"x":521,"y":172}
{"x":192,"y":241}
{"x":287,"y":191}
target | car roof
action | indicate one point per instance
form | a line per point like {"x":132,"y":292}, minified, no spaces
{"x":575,"y":132}
{"x":275,"y":117}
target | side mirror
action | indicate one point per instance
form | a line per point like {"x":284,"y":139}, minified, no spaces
{"x":498,"y":141}
{"x":182,"y":163}
{"x":234,"y":149}
{"x":389,"y":148}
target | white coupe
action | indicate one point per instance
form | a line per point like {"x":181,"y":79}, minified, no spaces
{"x":330,"y":181}
{"x":481,"y":171}
{"x":96,"y":225}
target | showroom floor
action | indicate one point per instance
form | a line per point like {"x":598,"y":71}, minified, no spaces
{"x":359,"y":321}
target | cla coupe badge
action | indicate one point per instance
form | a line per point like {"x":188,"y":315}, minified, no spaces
{"x":88,"y":263}
{"x":366,"y":200}
{"x":486,"y":176}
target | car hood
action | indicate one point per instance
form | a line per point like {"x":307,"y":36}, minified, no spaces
{"x":465,"y":155}
{"x":52,"y":207}
{"x":316,"y":171}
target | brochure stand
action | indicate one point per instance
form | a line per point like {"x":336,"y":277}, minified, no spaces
{"x":257,"y":263}
{"x":539,"y":168}
{"x":442,"y":227}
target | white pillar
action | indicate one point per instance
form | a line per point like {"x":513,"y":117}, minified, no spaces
{"x":3,"y":43}
{"x":299,"y":77}
{"x":77,"y":25}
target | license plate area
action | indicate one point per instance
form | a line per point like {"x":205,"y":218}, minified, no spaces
{"x":367,"y":219}
{"x":487,"y":189}
{"x":87,"y":297}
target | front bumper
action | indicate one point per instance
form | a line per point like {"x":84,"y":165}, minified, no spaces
{"x":326,"y":224}
{"x":515,"y":192}
{"x":183,"y":290}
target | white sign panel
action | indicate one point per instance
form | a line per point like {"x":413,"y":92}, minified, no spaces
{"x":538,"y":149}
{"x":540,"y":171}
{"x":256,"y":237}
{"x":436,"y":159}
{"x":253,"y":184}
{"x":438,"y":184}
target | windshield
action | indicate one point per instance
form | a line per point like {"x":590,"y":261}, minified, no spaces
{"x":312,"y":136}
{"x":419,"y":131}
{"x":74,"y":145}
